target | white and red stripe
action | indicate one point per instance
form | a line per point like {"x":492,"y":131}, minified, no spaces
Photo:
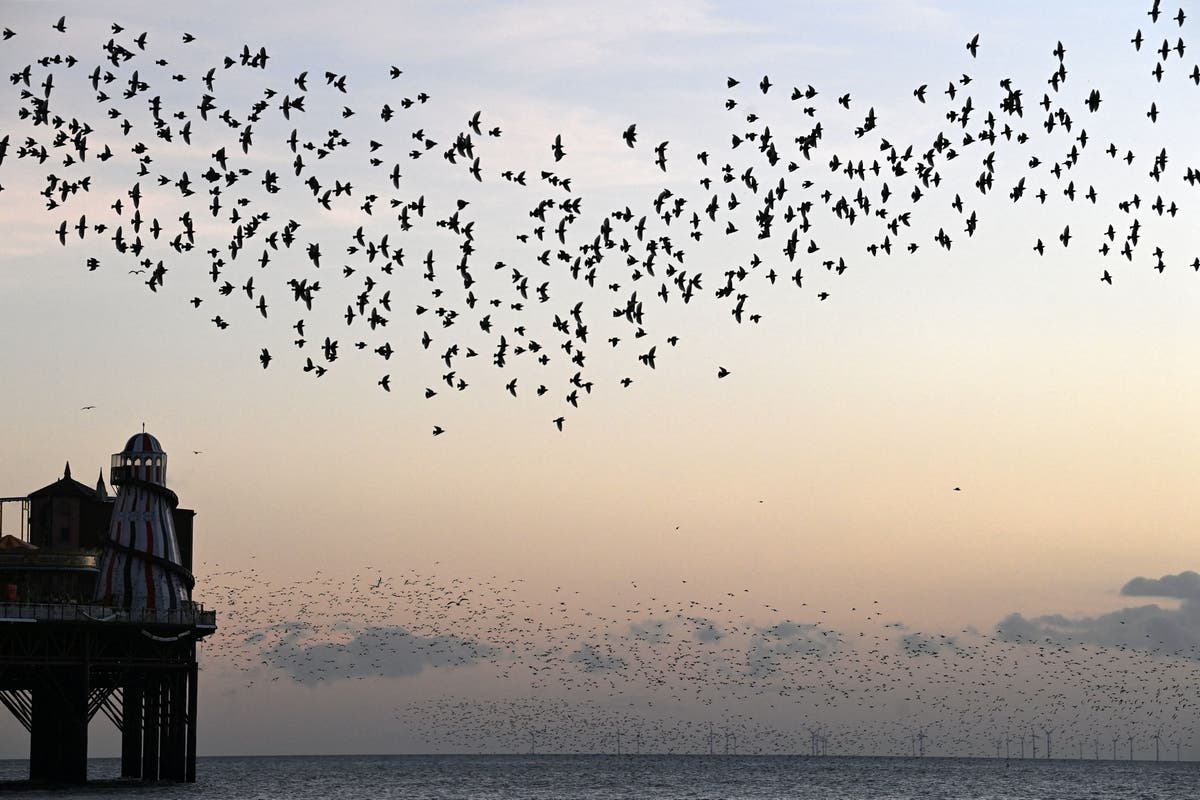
{"x":142,"y":522}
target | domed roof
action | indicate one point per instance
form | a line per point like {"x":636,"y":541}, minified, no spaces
{"x":142,"y":443}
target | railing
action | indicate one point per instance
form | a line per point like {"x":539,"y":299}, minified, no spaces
{"x":86,"y":559}
{"x":191,"y":614}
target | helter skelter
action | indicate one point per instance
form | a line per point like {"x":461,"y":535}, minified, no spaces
{"x":142,"y":566}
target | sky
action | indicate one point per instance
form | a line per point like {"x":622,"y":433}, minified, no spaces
{"x":957,"y":435}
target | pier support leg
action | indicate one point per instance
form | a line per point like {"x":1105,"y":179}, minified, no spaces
{"x":175,"y":727}
{"x":58,"y":735}
{"x":131,"y":734}
{"x":190,"y":770}
{"x":151,"y":727}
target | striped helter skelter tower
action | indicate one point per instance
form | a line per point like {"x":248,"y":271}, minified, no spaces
{"x":141,"y":566}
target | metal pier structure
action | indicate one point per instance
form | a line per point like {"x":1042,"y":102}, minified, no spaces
{"x":61,"y":664}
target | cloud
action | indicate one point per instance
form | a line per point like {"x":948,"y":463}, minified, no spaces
{"x":531,"y":35}
{"x":1185,"y":586}
{"x":389,"y":652}
{"x":590,"y":659}
{"x":789,"y":639}
{"x":793,"y":636}
{"x":1174,"y":631}
{"x":706,"y":631}
{"x":918,"y":644}
{"x":654,"y":631}
{"x":909,"y":15}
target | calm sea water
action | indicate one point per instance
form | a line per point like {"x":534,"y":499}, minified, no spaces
{"x":649,"y":777}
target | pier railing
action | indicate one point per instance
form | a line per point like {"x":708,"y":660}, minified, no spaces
{"x":190,"y":614}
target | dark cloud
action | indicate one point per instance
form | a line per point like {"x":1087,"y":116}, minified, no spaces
{"x":377,"y":651}
{"x":1170,"y":631}
{"x":654,"y":631}
{"x":707,"y":631}
{"x":1184,"y":586}
{"x":786,"y":640}
{"x":591,"y":659}
{"x":918,"y":644}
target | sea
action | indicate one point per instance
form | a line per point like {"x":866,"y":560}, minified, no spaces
{"x":647,"y":777}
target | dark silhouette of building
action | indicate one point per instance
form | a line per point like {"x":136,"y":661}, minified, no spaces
{"x":96,"y":616}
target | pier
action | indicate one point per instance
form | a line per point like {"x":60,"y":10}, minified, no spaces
{"x":96,"y":617}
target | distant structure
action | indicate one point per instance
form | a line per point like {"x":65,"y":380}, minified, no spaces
{"x":107,"y":583}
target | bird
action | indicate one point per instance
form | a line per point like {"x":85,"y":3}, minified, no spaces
{"x":661,"y":156}
{"x":761,"y":195}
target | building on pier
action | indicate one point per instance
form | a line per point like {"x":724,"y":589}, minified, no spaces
{"x":97,"y":615}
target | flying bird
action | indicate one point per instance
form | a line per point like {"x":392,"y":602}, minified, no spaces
{"x":630,"y":135}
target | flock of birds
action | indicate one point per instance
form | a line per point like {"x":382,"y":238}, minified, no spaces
{"x":551,"y":670}
{"x":254,"y":181}
{"x":194,"y":186}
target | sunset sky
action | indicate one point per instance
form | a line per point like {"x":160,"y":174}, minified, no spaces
{"x":823,"y":470}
